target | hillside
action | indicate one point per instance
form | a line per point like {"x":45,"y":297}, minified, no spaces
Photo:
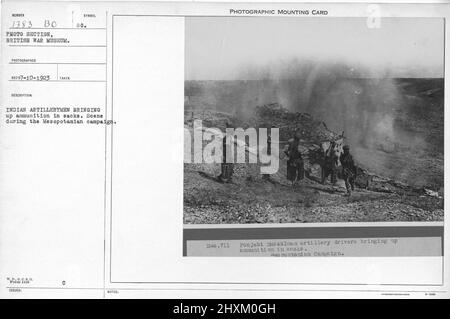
{"x":250,"y":198}
{"x":395,"y":126}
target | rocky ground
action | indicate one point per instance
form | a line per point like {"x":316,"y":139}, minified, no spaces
{"x":250,"y":199}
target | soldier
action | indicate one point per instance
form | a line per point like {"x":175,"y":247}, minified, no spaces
{"x":295,"y":165}
{"x":348,"y":169}
{"x":330,"y":164}
{"x":269,"y":152}
{"x":226,"y":168}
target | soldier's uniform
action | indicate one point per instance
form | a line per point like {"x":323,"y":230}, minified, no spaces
{"x":269,"y":152}
{"x":295,"y":164}
{"x":227,"y":169}
{"x":348,"y":169}
{"x":330,"y":165}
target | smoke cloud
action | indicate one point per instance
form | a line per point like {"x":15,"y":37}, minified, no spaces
{"x":370,"y":106}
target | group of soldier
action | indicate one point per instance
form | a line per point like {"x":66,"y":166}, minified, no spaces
{"x":295,"y":164}
{"x":329,"y":163}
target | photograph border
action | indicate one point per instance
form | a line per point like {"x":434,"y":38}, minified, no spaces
{"x":184,"y":229}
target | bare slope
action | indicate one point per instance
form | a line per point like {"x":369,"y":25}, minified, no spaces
{"x":252,"y":199}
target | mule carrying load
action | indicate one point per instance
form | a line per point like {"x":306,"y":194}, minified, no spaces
{"x":319,"y":146}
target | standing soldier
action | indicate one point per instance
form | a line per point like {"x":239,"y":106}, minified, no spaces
{"x":295,"y":165}
{"x":330,"y":164}
{"x":348,"y":170}
{"x":269,"y":152}
{"x":226,"y":168}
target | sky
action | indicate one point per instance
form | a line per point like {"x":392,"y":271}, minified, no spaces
{"x":231,"y":48}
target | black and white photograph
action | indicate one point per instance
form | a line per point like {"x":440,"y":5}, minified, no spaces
{"x":224,"y":150}
{"x":337,"y":120}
